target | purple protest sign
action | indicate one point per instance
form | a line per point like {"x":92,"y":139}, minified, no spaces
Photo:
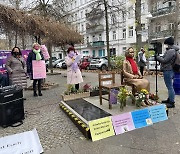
{"x":5,"y":54}
{"x":123,"y":123}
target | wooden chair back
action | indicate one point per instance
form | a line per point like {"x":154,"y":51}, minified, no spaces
{"x":107,"y":78}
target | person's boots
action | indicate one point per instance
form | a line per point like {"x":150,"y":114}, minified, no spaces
{"x":39,"y":87}
{"x":165,"y":101}
{"x":40,"y":94}
{"x":170,"y":105}
{"x":35,"y":94}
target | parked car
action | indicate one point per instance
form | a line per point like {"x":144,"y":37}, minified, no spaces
{"x":54,"y":63}
{"x":59,"y":65}
{"x":152,"y":64}
{"x":64,"y":66}
{"x":99,"y":63}
{"x":85,"y":63}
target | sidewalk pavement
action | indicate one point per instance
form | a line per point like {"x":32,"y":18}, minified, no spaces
{"x":59,"y":135}
{"x":160,"y":138}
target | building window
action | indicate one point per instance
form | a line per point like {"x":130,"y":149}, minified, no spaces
{"x":75,"y":16}
{"x":113,"y":19}
{"x":94,"y":38}
{"x":143,"y":26}
{"x":114,"y":35}
{"x":82,"y":27}
{"x":100,"y":37}
{"x":158,"y":28}
{"x":87,"y":39}
{"x":131,"y":31}
{"x":130,"y":11}
{"x":142,"y":7}
{"x":85,"y":52}
{"x":123,"y":16}
{"x":124,"y":49}
{"x":171,"y":26}
{"x":81,"y":14}
{"x":124,"y":33}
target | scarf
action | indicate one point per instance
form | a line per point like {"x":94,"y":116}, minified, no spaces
{"x":38,"y":55}
{"x":133,"y":65}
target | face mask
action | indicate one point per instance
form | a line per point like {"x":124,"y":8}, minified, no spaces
{"x":71,"y":54}
{"x":165,"y":46}
{"x":16,"y":53}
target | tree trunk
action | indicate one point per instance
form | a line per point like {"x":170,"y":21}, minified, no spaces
{"x":107,"y":33}
{"x":138,"y":25}
{"x":49,"y":46}
{"x":176,"y":22}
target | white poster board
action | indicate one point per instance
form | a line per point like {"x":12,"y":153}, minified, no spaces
{"x":23,"y":143}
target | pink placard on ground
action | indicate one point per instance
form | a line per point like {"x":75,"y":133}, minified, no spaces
{"x":39,"y":69}
{"x":122,"y":123}
{"x":45,"y":52}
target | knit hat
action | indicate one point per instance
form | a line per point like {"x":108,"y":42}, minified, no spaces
{"x":169,"y":41}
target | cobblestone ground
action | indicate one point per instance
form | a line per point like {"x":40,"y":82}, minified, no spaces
{"x":53,"y":126}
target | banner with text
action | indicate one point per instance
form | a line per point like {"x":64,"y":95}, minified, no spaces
{"x":123,"y":123}
{"x":101,"y":128}
{"x":23,"y":143}
{"x":158,"y":113}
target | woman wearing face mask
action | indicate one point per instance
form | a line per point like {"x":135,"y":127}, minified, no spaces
{"x":16,"y":68}
{"x":167,"y":62}
{"x":73,"y":72}
{"x":132,"y":74}
{"x":35,"y":54}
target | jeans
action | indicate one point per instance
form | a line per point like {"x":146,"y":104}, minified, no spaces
{"x":168,"y":79}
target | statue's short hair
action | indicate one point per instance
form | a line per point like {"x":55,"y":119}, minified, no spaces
{"x":127,"y":51}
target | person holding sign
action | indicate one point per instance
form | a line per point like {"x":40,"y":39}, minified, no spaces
{"x":131,"y":72}
{"x":73,"y":72}
{"x":35,"y":63}
{"x":16,"y":67}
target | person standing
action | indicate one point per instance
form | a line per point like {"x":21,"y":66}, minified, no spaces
{"x":167,"y":61}
{"x":142,"y":60}
{"x":35,"y":54}
{"x":74,"y":75}
{"x":16,"y":67}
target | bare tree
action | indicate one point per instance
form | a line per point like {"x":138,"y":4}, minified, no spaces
{"x":138,"y":25}
{"x":108,"y":10}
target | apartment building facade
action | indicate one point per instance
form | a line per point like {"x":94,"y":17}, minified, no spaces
{"x":88,"y":18}
{"x":164,"y":21}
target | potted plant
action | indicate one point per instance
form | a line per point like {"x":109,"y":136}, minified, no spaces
{"x":95,"y":91}
{"x":71,"y":93}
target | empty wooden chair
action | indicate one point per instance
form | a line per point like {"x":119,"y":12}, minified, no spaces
{"x":107,"y":82}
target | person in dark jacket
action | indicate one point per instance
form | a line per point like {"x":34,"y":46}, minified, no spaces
{"x":141,"y":60}
{"x":167,"y":62}
{"x":35,"y":54}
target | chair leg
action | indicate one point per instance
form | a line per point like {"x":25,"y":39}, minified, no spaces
{"x":110,"y":105}
{"x":100,"y":95}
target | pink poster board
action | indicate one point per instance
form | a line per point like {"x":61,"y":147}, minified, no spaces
{"x":123,"y":123}
{"x":39,"y":69}
{"x":45,"y":52}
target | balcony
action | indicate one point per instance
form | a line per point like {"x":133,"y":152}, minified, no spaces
{"x":96,"y":44}
{"x":94,"y":28}
{"x":161,"y":34}
{"x":94,"y":14}
{"x":163,"y":11}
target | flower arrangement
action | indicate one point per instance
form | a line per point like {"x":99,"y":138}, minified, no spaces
{"x":141,"y":98}
{"x":122,"y":96}
{"x":144,"y":98}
